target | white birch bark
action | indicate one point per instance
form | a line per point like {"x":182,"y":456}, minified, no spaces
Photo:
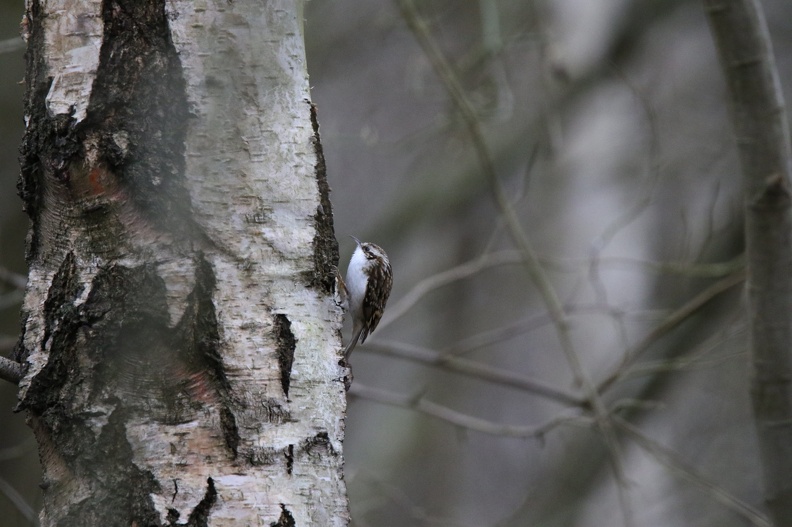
{"x":179,"y":322}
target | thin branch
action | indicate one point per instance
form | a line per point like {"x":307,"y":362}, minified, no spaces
{"x":18,"y":450}
{"x":689,"y":269}
{"x":495,"y":335}
{"x":19,"y":502}
{"x":525,"y":325}
{"x":474,"y":369}
{"x":12,"y":298}
{"x":16,"y":280}
{"x":670,"y":323}
{"x":11,"y":45}
{"x":10,"y":370}
{"x":7,"y":343}
{"x":511,"y":257}
{"x":418,"y":513}
{"x":446,"y":277}
{"x":469,"y":422}
{"x":698,"y":358}
{"x":669,"y":459}
{"x":517,"y":233}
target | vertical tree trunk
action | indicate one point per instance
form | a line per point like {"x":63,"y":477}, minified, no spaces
{"x":179,"y":326}
{"x":762,"y":132}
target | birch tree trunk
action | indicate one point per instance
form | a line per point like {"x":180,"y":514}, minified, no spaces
{"x":179,"y":326}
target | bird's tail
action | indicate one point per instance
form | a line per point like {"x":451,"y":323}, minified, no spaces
{"x":358,"y":329}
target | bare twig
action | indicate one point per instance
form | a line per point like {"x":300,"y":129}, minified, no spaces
{"x":509,"y":331}
{"x":7,"y":342}
{"x":19,"y":502}
{"x":511,"y":257}
{"x":10,"y":45}
{"x":454,"y":274}
{"x":18,"y":450}
{"x":696,"y":358}
{"x":689,"y":269}
{"x":474,"y":369}
{"x":517,"y":233}
{"x":672,"y":462}
{"x":469,"y":422}
{"x":671,"y":322}
{"x":15,"y":279}
{"x":418,"y":513}
{"x":10,"y":370}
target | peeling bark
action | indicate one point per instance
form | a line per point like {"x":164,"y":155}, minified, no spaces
{"x":179,"y":330}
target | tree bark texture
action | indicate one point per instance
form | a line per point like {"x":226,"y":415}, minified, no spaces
{"x":743,"y":44}
{"x":179,"y":328}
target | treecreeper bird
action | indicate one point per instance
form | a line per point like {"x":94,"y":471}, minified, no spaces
{"x":368,"y":284}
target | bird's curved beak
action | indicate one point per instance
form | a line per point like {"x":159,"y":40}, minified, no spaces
{"x":356,"y":240}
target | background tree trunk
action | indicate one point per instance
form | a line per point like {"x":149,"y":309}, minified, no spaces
{"x":179,"y":321}
{"x":762,"y":131}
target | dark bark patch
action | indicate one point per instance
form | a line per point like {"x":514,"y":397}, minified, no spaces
{"x":272,"y":411}
{"x":61,"y":324}
{"x":286,"y":344}
{"x":286,"y":519}
{"x":49,"y":142}
{"x":325,"y":245}
{"x":260,"y":456}
{"x":130,"y":344}
{"x":198,"y":336}
{"x":318,"y":445}
{"x":112,"y":452}
{"x":19,"y":354}
{"x":230,"y":430}
{"x":198,"y":343}
{"x":289,"y":459}
{"x":139,"y":95}
{"x":199,"y":517}
{"x":37,"y":84}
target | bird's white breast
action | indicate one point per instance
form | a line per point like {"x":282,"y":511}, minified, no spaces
{"x":356,"y":279}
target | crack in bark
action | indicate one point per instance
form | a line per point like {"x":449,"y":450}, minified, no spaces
{"x":199,"y":517}
{"x":230,"y":430}
{"x":286,"y":344}
{"x":289,"y":459}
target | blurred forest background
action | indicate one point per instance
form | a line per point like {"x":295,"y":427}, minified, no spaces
{"x":604,"y":125}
